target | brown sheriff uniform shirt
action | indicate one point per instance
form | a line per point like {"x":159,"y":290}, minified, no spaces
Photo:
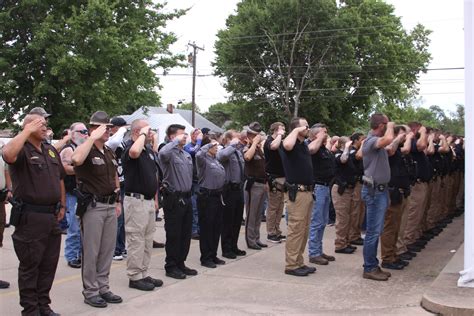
{"x":97,"y":174}
{"x":36,"y":175}
{"x":255,"y":168}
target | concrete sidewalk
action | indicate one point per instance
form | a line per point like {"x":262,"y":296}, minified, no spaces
{"x":444,"y":296}
{"x":254,"y":284}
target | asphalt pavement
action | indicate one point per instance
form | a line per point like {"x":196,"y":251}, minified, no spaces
{"x":251,"y":285}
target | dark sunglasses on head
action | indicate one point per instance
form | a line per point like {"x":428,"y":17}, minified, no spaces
{"x":83,"y":132}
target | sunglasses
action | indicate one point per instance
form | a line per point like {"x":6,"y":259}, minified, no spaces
{"x":83,"y":132}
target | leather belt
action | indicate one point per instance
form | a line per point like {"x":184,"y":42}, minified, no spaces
{"x":139,"y":196}
{"x":182,"y":194}
{"x":305,"y":187}
{"x":260,"y":180}
{"x":210,"y":192}
{"x":233,"y":186}
{"x":326,"y":184}
{"x":46,"y":209}
{"x":106,"y":199}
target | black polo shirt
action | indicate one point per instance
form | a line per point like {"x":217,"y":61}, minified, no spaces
{"x":358,"y":163}
{"x":324,"y":165}
{"x":459,"y":157}
{"x":424,"y":171}
{"x":436,"y":161}
{"x":345,"y":172}
{"x":297,"y":164}
{"x":36,"y":175}
{"x":273,"y":164}
{"x":399,"y":172}
{"x":141,"y":174}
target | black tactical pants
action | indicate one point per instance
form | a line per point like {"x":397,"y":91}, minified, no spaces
{"x":178,"y":212}
{"x":232,"y":219}
{"x":210,"y":224}
{"x":37,"y":242}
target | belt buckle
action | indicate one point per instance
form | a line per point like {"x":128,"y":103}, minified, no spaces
{"x":381,"y":187}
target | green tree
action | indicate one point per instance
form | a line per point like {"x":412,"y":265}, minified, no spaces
{"x":434,"y":116}
{"x":223,"y":115}
{"x":75,"y":57}
{"x":188,"y":106}
{"x":322,"y":59}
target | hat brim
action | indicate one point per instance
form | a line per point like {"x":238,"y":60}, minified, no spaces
{"x":99,"y":123}
{"x":249,"y":130}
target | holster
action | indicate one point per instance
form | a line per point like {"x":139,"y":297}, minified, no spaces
{"x":83,"y":201}
{"x":292,"y":191}
{"x":3,"y":195}
{"x":16,"y":211}
{"x":395,"y":196}
{"x":249,"y":184}
{"x":341,"y":187}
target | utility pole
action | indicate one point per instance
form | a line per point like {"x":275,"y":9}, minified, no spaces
{"x":194,"y":57}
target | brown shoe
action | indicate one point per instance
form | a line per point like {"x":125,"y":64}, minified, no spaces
{"x":328,"y":258}
{"x":375,"y":274}
{"x":319,"y":260}
{"x":388,"y":274}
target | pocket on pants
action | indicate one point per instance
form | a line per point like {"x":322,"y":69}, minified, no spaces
{"x":134,"y":216}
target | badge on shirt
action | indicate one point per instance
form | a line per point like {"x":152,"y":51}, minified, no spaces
{"x":51,"y":153}
{"x":98,"y":161}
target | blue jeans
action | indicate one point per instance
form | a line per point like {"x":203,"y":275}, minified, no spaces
{"x":319,"y":220}
{"x":376,"y":206}
{"x":72,"y":245}
{"x":120,"y":243}
{"x":194,"y":191}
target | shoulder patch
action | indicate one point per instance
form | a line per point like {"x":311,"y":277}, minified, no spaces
{"x":51,"y":153}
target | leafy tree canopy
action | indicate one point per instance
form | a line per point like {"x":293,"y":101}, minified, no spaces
{"x":76,"y":57}
{"x":325,"y":60}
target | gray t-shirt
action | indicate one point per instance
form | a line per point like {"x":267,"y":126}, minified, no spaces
{"x":375,"y":160}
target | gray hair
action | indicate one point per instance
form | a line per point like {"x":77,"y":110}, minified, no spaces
{"x":136,"y":125}
{"x":316,"y":128}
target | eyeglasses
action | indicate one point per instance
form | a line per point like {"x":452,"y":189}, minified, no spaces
{"x":83,"y":132}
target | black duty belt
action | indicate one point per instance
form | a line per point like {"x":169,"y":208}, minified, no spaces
{"x":210,"y":192}
{"x":418,"y":180}
{"x":377,"y":186}
{"x":46,"y":209}
{"x":139,"y":196}
{"x":233,"y":186}
{"x":106,"y":199}
{"x":182,"y":194}
{"x":326,"y":184}
{"x":305,"y":187}
{"x":260,"y":180}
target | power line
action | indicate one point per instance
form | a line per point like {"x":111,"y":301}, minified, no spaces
{"x":306,"y":97}
{"x":331,"y":30}
{"x":329,"y":72}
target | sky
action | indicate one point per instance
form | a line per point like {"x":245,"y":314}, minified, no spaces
{"x":205,"y":17}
